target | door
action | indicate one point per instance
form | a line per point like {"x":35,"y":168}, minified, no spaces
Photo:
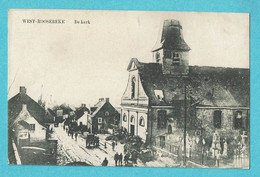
{"x":132,"y":130}
{"x":162,"y":141}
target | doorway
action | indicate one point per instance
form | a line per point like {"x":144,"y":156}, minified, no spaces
{"x":132,"y":130}
{"x":162,"y":141}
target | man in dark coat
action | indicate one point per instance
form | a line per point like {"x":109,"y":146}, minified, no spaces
{"x":113,"y":145}
{"x":105,"y":162}
{"x":116,"y":158}
{"x":120,"y":158}
{"x":76,"y":136}
{"x":126,"y":158}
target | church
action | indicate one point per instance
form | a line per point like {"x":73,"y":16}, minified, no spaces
{"x":167,"y":96}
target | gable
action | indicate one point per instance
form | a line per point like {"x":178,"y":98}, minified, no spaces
{"x":15,"y":107}
{"x":140,"y":94}
{"x":106,"y":107}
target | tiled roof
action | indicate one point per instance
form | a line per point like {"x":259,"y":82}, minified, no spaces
{"x":208,"y":86}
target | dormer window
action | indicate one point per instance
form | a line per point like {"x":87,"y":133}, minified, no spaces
{"x":159,"y":94}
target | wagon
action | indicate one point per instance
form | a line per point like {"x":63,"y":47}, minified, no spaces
{"x":92,"y":141}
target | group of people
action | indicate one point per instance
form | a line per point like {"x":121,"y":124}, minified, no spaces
{"x":71,"y":132}
{"x":118,"y":159}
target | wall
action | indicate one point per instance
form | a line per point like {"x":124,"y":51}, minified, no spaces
{"x":83,"y":119}
{"x":40,"y":132}
{"x":137,"y":114}
{"x":227,"y":120}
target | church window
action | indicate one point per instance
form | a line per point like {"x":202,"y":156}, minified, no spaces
{"x":124,"y":118}
{"x":217,"y":119}
{"x":161,"y":119}
{"x":133,"y":84}
{"x":238,"y":120}
{"x":141,"y":122}
{"x":176,"y":59}
{"x":132,"y":120}
{"x":157,"y":56}
{"x":169,"y":129}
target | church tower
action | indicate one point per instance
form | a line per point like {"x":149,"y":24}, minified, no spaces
{"x":171,"y":50}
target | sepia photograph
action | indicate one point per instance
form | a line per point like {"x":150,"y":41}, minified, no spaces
{"x":128,"y":88}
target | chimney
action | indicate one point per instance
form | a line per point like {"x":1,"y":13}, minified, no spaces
{"x":107,"y":99}
{"x":83,"y":105}
{"x":22,"y":90}
{"x":101,"y":99}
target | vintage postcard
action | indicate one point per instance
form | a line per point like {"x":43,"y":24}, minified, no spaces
{"x":128,"y":88}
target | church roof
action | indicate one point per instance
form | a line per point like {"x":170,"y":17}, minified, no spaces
{"x":15,"y":105}
{"x":207,"y":86}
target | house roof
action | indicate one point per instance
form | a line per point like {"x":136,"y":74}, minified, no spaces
{"x":98,"y":106}
{"x":15,"y":106}
{"x":171,"y":37}
{"x":207,"y":86}
{"x":80,"y":112}
{"x":51,"y":112}
{"x":66,"y":109}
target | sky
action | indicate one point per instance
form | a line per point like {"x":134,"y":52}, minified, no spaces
{"x":80,"y":63}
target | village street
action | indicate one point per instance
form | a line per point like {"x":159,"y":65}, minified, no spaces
{"x":70,"y":151}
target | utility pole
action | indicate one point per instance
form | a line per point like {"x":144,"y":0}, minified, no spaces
{"x":185,"y":123}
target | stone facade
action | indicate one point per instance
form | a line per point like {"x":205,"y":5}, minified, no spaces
{"x":228,"y":127}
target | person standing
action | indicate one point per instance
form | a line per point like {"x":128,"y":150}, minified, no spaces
{"x":76,"y":136}
{"x":120,"y":158}
{"x":113,"y":145}
{"x":126,"y":158}
{"x":116,"y":158}
{"x":105,"y":162}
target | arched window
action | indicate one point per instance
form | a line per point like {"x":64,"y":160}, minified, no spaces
{"x":124,"y":118}
{"x":132,"y":120}
{"x":106,"y":113}
{"x":141,"y":122}
{"x":157,"y":56}
{"x":169,"y":129}
{"x":161,"y":119}
{"x":217,"y":119}
{"x":133,"y":88}
{"x":238,"y":120}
